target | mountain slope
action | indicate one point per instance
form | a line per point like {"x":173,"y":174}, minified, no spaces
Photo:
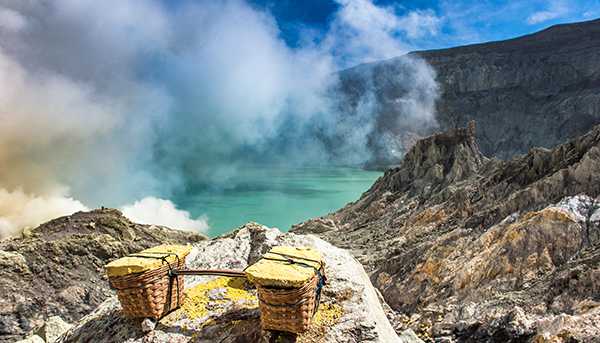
{"x":478,"y":249}
{"x":535,"y":90}
{"x":57,"y":268}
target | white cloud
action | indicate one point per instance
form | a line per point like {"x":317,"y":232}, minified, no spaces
{"x":556,"y":9}
{"x":11,"y":20}
{"x":592,"y":13}
{"x":163,"y":212}
{"x":363,"y":32}
{"x":542,"y":16}
{"x":419,"y":24}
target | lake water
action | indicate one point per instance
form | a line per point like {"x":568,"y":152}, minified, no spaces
{"x":278,"y":197}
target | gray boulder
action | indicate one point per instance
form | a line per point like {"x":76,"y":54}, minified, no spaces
{"x":32,"y":339}
{"x":53,"y":328}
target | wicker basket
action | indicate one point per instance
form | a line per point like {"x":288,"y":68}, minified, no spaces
{"x":289,"y":309}
{"x":150,"y":294}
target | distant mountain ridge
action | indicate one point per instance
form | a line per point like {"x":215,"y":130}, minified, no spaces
{"x":536,"y":90}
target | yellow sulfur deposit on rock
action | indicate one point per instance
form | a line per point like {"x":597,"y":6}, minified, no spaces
{"x":328,"y":314}
{"x":233,"y":290}
{"x":275,"y":269}
{"x":131,"y":264}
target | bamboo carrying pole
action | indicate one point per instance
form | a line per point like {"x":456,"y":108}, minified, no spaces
{"x":219,"y":272}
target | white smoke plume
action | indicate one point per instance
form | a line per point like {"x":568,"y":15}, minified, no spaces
{"x":156,"y":211}
{"x":122,"y":100}
{"x":19,"y":210}
{"x":363,"y":32}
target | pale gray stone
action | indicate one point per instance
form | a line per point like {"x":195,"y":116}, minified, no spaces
{"x":52,"y":329}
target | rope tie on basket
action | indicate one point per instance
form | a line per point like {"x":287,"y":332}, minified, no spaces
{"x":171,"y":274}
{"x":290,"y":258}
{"x":322,"y":279}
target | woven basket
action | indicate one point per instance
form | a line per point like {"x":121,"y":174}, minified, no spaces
{"x":150,"y":294}
{"x":289,"y":309}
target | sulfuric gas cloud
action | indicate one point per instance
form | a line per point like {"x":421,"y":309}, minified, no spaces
{"x":124,"y":103}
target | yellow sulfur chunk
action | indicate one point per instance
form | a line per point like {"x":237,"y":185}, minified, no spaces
{"x":197,"y":301}
{"x":131,"y":264}
{"x":275,"y":270}
{"x":328,"y":314}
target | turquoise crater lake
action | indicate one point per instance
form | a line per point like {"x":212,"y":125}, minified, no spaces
{"x":277,"y":197}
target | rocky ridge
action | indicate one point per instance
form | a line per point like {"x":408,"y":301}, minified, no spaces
{"x":56,"y":269}
{"x":468,"y":248}
{"x":226,"y":310}
{"x":536,"y":90}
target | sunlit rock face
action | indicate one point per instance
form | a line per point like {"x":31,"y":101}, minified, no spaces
{"x":536,"y":90}
{"x":226,"y":309}
{"x":475,"y":249}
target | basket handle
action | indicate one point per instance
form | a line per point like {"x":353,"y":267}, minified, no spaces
{"x":219,"y":272}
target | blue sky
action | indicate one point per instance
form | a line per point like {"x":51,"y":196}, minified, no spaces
{"x":443,"y":23}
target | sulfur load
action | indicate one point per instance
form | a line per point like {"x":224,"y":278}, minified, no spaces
{"x":148,"y":259}
{"x":285,"y":267}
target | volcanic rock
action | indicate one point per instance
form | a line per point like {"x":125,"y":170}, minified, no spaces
{"x":53,"y":328}
{"x":467,"y":248}
{"x":537,"y":90}
{"x":226,"y":309}
{"x":57,"y":268}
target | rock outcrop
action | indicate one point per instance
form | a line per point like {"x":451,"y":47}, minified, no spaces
{"x":57,"y":268}
{"x":533,"y":91}
{"x":472,"y":249}
{"x":52,"y":329}
{"x":226,"y":309}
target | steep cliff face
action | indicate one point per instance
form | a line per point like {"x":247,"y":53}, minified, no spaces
{"x":536,"y":90}
{"x":474,"y":249}
{"x":57,"y":268}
